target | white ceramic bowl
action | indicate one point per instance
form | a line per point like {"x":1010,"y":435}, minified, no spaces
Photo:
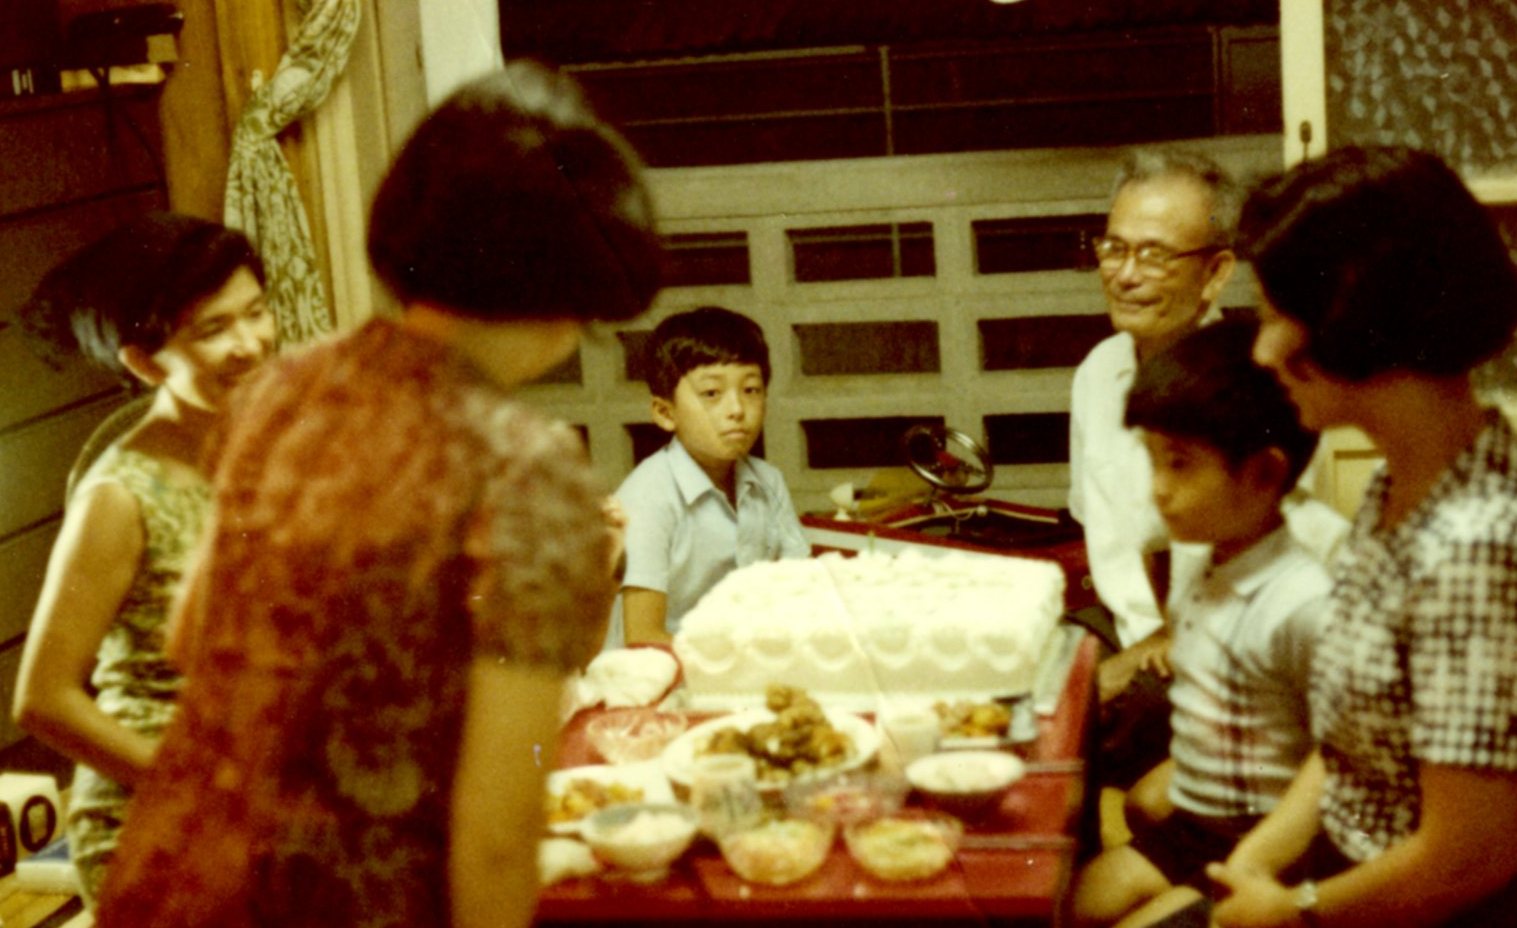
{"x":968,"y":784}
{"x":640,"y":839}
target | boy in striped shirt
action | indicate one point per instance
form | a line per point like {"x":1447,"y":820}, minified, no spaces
{"x":1226,"y":447}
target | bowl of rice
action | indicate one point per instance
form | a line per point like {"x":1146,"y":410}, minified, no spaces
{"x":968,"y":784}
{"x":641,"y":840}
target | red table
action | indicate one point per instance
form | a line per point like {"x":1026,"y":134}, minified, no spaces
{"x":1012,"y":868}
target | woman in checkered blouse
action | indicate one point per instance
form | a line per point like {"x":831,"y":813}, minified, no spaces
{"x":1387,"y":284}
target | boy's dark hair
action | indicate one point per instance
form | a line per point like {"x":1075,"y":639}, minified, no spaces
{"x":1206,"y":387}
{"x":1387,"y":260}
{"x":132,"y":287}
{"x":514,"y":200}
{"x":708,"y":335}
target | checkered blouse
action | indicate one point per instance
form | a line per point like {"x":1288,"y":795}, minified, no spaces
{"x":1419,"y":661}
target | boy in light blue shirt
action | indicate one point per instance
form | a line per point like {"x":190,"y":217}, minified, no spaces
{"x":702,"y":506}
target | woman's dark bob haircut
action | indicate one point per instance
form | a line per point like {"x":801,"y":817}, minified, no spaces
{"x":1387,"y":260}
{"x":513,"y":200}
{"x":133,"y":287}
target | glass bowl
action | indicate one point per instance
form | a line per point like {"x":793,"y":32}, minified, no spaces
{"x":778,"y":852}
{"x":846,"y":798}
{"x":968,"y":784}
{"x":631,"y":735}
{"x":640,"y":839}
{"x":913,"y":844}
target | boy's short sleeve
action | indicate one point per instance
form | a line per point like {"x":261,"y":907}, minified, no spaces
{"x":787,"y":525}
{"x":651,"y":517}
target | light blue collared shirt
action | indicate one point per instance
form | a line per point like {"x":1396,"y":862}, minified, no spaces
{"x":683,"y":535}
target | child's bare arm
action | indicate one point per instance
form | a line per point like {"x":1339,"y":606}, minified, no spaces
{"x":643,"y":613}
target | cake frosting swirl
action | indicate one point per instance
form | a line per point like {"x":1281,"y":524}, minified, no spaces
{"x":853,"y":629}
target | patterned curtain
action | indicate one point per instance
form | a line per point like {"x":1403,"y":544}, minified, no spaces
{"x":1441,"y":76}
{"x":262,"y":198}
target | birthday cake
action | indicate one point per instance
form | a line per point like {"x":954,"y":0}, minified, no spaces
{"x":850,"y":630}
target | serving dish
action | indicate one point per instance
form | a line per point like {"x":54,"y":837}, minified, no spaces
{"x":968,"y":784}
{"x":641,"y":839}
{"x":641,"y":782}
{"x":678,"y":758}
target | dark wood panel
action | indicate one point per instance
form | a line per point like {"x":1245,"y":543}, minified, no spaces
{"x":23,"y":562}
{"x":990,"y":127}
{"x":869,"y":348}
{"x":77,"y":151}
{"x":1178,"y":63}
{"x":635,"y":353}
{"x":868,"y":252}
{"x":35,"y":242}
{"x":29,"y":388}
{"x":36,"y":460}
{"x":706,"y":259}
{"x":606,"y":30}
{"x":1028,"y":438}
{"x":570,"y":371}
{"x":635,"y":93}
{"x":1036,"y":243}
{"x":1039,"y":341}
{"x":871,"y":442}
{"x":749,"y":140}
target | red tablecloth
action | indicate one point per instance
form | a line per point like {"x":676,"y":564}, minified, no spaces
{"x":1013,"y":866}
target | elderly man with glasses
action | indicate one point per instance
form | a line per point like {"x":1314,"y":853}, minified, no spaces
{"x":1163,"y":262}
{"x":1164,"y":259}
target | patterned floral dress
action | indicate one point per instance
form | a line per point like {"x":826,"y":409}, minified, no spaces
{"x":134,"y":682}
{"x":384,"y":515}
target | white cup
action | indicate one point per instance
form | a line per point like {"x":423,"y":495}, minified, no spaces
{"x":912,"y":731}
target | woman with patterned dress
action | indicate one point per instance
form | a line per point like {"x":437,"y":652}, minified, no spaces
{"x":174,"y":303}
{"x":1386,"y":284}
{"x":404,"y":563}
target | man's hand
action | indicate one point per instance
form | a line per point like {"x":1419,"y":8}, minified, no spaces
{"x":1155,"y":657}
{"x":1116,"y":672}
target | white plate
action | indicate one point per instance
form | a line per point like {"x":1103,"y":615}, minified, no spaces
{"x":647,"y":776}
{"x":679,"y":756}
{"x":965,"y":743}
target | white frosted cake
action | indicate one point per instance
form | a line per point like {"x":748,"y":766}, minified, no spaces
{"x":853,"y":630}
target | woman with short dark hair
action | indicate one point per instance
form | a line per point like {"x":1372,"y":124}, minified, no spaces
{"x":1386,"y":284}
{"x":406,"y":563}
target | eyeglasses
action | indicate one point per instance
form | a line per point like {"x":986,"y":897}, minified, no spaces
{"x":1150,"y":257}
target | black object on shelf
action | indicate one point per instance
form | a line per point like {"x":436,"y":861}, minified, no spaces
{"x":119,"y":36}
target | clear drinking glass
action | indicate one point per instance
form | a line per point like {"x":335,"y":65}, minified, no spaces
{"x":724,"y":792}
{"x":910,"y":731}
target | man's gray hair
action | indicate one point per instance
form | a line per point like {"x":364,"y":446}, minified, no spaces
{"x":1143,"y":164}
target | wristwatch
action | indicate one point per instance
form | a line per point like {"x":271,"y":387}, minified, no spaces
{"x":1306,"y":903}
